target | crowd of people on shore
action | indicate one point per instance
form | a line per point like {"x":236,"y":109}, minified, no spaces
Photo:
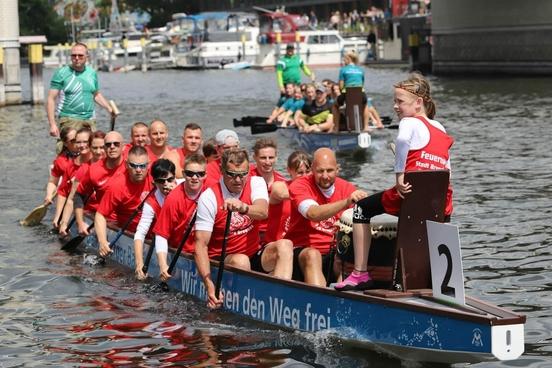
{"x":272,"y":223}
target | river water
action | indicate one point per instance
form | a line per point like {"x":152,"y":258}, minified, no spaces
{"x":57,"y":311}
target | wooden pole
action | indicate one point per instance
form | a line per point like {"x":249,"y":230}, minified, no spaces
{"x":2,"y":87}
{"x":36,"y":64}
{"x":144,"y":55}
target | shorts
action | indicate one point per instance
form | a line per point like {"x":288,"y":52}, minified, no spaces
{"x":341,"y":99}
{"x":256,"y":260}
{"x":327,"y":266}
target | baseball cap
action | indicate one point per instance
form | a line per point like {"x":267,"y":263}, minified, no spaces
{"x":224,"y":134}
{"x":290,"y":46}
{"x":320,"y":87}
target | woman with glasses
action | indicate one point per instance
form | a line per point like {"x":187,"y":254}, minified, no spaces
{"x":60,"y":168}
{"x":97,"y":152}
{"x":164,"y":179}
{"x":279,"y":207}
{"x":178,"y":211}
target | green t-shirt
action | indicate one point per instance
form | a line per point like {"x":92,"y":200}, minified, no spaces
{"x":77,"y":90}
{"x":291,"y":69}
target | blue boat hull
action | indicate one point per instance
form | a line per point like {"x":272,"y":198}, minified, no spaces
{"x":411,"y":328}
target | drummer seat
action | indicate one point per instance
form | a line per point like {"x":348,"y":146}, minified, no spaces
{"x":354,"y":108}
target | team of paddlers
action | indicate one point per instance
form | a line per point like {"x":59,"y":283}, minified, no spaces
{"x":272,"y":223}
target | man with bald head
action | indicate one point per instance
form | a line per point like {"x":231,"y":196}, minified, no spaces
{"x":92,"y":186}
{"x":158,"y":134}
{"x":317,"y":201}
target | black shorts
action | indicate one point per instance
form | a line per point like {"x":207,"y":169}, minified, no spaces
{"x":255,"y":260}
{"x":341,"y":99}
{"x":327,"y":265}
{"x":367,"y":208}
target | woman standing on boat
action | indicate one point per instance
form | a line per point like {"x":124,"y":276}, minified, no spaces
{"x":422,"y":143}
{"x":351,"y":75}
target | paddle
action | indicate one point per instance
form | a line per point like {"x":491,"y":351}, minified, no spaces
{"x":37,"y":214}
{"x":114,"y":114}
{"x":73,"y":243}
{"x":223,"y":254}
{"x":259,"y":128}
{"x":174,"y":259}
{"x":249,"y":121}
{"x":386,"y":120}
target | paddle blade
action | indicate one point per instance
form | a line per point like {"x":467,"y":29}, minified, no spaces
{"x":35,"y":216}
{"x":249,"y":121}
{"x":386,"y":120}
{"x":73,"y":243}
{"x":263,"y":128}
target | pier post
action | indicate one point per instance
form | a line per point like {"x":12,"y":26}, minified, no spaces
{"x":109,"y":56}
{"x":125,"y":47}
{"x":9,"y":42}
{"x":60,"y":54}
{"x":2,"y":88}
{"x":36,"y":63}
{"x":144,"y":55}
{"x":297,"y":43}
{"x":243,"y":40}
{"x":277,"y":47}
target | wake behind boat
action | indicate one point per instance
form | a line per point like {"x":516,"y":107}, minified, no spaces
{"x":403,"y":319}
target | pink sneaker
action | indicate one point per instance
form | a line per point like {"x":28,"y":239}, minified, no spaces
{"x":355,"y":281}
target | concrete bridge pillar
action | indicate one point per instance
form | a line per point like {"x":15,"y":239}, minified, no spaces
{"x":492,"y":36}
{"x":9,"y":41}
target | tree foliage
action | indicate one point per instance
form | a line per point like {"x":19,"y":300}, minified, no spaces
{"x":37,"y":17}
{"x":160,"y":10}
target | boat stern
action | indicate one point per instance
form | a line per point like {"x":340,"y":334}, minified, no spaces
{"x":508,"y":341}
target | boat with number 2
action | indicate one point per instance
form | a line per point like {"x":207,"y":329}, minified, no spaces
{"x":407,"y":317}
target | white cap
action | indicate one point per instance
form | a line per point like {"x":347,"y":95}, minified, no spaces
{"x":223,"y":135}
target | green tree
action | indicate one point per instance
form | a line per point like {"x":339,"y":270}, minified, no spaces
{"x":37,"y":17}
{"x":160,"y":10}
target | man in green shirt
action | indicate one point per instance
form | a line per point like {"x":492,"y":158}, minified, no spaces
{"x":288,"y":69}
{"x":75,"y":88}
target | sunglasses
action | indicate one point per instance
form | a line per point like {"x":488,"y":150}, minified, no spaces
{"x":236,"y":174}
{"x":78,"y":56}
{"x":134,"y":166}
{"x":191,"y":174}
{"x":170,"y":179}
{"x":114,"y":144}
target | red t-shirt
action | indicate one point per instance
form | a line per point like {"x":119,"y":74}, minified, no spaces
{"x":277,"y":177}
{"x":94,"y":183}
{"x":121,"y":198}
{"x":64,"y":168}
{"x":173,"y":220}
{"x":214,"y":173}
{"x":278,"y":219}
{"x":152,"y":157}
{"x":303,"y":232}
{"x":243,"y":236}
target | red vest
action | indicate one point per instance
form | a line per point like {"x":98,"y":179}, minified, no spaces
{"x":433,"y":156}
{"x":277,"y":177}
{"x":96,"y":182}
{"x":243,"y":236}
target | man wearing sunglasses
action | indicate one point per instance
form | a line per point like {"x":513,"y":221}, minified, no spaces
{"x":123,"y":195}
{"x":164,"y":179}
{"x":76,"y":85}
{"x":247,"y":197}
{"x":225,"y":139}
{"x":178,"y":211}
{"x":191,"y":143}
{"x":92,"y":186}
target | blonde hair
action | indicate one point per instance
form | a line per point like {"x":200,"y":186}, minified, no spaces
{"x":419,"y":86}
{"x":352,"y":56}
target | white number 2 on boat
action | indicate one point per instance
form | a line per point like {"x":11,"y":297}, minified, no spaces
{"x":364,"y":140}
{"x":447,"y":276}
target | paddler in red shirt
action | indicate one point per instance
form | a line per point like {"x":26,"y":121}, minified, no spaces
{"x":158,"y":135}
{"x":139,"y":136}
{"x":265,"y":154}
{"x":317,"y":201}
{"x":192,"y":139}
{"x":123,"y":196}
{"x":225,"y":139}
{"x":247,"y":197}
